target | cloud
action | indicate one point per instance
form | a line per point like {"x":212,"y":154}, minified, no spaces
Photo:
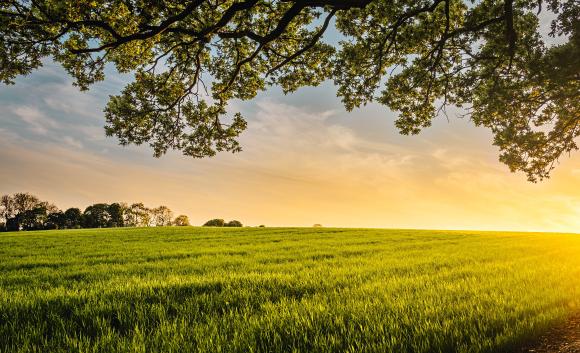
{"x":37,"y":121}
{"x":72,"y":142}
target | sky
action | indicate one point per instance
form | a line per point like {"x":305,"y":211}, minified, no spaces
{"x":305,"y":160}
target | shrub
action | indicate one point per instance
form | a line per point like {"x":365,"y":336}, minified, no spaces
{"x":234,"y":223}
{"x":181,"y":221}
{"x":215,"y":223}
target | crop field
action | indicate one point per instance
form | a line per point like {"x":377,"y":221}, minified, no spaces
{"x":187,"y":289}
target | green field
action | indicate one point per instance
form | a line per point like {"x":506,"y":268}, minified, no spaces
{"x":282,"y":290}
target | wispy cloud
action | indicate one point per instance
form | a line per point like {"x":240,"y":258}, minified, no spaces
{"x":36,"y":121}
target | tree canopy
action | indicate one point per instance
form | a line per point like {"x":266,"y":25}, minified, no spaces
{"x":416,"y":57}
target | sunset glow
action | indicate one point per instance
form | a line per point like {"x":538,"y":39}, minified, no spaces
{"x":305,"y":161}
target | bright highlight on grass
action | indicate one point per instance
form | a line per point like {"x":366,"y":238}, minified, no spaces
{"x":283,"y":290}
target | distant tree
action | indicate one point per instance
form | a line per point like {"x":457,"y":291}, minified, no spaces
{"x":34,"y":219}
{"x":24,"y":201}
{"x":24,"y":211}
{"x":181,"y":221}
{"x":262,"y":226}
{"x":2,"y":227}
{"x":13,"y":223}
{"x":162,"y":216}
{"x":7,"y":208}
{"x":50,"y":207}
{"x":140,"y":216}
{"x":214,"y":223}
{"x":116,"y":213}
{"x":73,"y":218}
{"x":233,"y":223}
{"x":129,"y":219}
{"x":55,"y":220}
{"x":317,"y":225}
{"x":96,"y":216}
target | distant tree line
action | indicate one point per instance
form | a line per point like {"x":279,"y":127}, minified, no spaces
{"x":221,"y":223}
{"x":23,"y":211}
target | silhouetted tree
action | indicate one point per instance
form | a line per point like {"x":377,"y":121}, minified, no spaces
{"x":50,"y":207}
{"x":233,"y":223}
{"x":73,"y":218}
{"x":55,"y":220}
{"x":13,"y":223}
{"x":23,"y":211}
{"x":96,"y":216}
{"x":181,"y":221}
{"x":34,"y":219}
{"x":116,"y":213}
{"x":24,"y":201}
{"x":214,"y":223}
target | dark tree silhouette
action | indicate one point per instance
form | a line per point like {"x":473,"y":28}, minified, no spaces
{"x":73,"y":218}
{"x":234,"y":223}
{"x":214,"y":223}
{"x":96,"y":216}
{"x":55,"y":220}
{"x":116,"y":212}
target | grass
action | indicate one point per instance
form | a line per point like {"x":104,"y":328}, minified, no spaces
{"x":282,"y":290}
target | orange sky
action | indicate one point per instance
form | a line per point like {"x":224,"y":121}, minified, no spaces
{"x":305,"y":161}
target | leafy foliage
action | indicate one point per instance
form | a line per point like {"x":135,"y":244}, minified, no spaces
{"x":181,"y":221}
{"x":190,"y":58}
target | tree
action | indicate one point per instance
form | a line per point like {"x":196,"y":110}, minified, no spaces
{"x":116,"y":212}
{"x":162,"y":216}
{"x":233,"y":223}
{"x":140,"y":216}
{"x":181,"y":221}
{"x":55,"y":220}
{"x":24,"y":201}
{"x":50,"y":208}
{"x":96,"y":216}
{"x":214,"y":223}
{"x":73,"y":218}
{"x":416,"y":57}
{"x":24,"y":211}
{"x":34,"y":219}
{"x":7,"y":208}
{"x":13,"y":223}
